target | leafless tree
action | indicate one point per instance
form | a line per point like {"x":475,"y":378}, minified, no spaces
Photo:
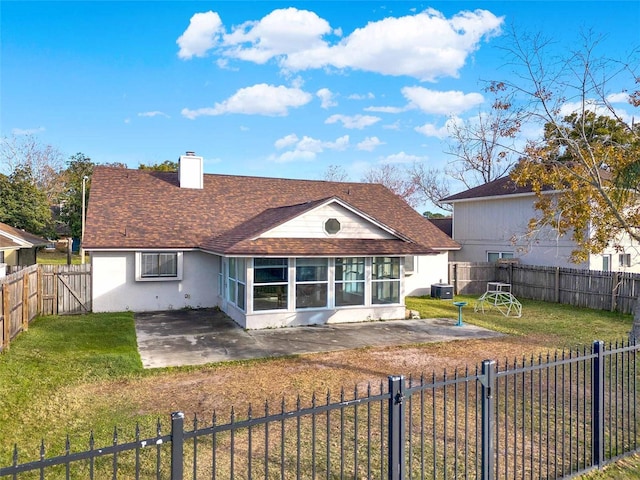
{"x":396,"y":179}
{"x":45,"y":162}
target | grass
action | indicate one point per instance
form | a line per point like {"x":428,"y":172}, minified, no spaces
{"x":57,"y":258}
{"x":78,"y":374}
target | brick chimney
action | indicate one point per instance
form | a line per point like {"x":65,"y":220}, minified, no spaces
{"x":190,"y":171}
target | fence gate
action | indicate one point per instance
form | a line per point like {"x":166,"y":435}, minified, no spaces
{"x":66,"y":289}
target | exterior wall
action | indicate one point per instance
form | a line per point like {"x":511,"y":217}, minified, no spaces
{"x":500,"y":225}
{"x":115,"y":289}
{"x":428,"y":269}
{"x":11,"y":257}
{"x":626,"y":246}
{"x":311,"y":225}
{"x":326,"y":316}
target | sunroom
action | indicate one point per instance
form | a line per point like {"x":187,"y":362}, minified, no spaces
{"x":263,"y":292}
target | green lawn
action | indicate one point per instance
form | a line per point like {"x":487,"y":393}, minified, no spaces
{"x":58,"y":258}
{"x":77,"y":374}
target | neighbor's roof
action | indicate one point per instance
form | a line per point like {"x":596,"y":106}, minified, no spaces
{"x":498,"y":187}
{"x":19,"y":238}
{"x":130,"y":209}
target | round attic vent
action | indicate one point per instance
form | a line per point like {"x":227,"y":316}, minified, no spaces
{"x":332,"y":226}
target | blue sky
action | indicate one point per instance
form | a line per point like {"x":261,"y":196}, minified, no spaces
{"x":270,"y":88}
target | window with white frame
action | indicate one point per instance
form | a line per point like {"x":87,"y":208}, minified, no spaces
{"x":270,"y":283}
{"x":312,"y":282}
{"x":349,"y":281}
{"x":385,"y":280}
{"x":606,"y":263}
{"x":236,"y":291}
{"x":158,"y":266}
{"x":495,"y":256}
{"x":624,"y":259}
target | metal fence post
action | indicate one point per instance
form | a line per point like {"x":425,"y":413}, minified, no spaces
{"x":597,"y":405}
{"x":488,"y":381}
{"x":177,"y":445}
{"x":396,"y":428}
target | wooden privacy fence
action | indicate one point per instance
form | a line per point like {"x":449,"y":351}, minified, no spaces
{"x":612,"y":291}
{"x":41,"y":290}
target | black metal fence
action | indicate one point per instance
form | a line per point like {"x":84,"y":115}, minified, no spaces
{"x":546,"y":417}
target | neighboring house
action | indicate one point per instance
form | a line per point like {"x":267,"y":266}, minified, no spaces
{"x":18,"y":247}
{"x":490,"y":222}
{"x":269,"y":252}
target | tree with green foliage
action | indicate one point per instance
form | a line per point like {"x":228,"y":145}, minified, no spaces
{"x":166,"y":166}
{"x":79,"y":167}
{"x":23,"y":205}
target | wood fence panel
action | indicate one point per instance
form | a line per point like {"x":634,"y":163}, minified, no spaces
{"x":612,"y":291}
{"x":470,"y":278}
{"x":41,"y":290}
{"x":16,"y":299}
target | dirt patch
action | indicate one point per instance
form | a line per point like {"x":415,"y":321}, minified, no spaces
{"x":216,"y":388}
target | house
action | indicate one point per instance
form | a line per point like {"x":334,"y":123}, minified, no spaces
{"x":18,"y":247}
{"x":490,"y":222}
{"x":269,"y":252}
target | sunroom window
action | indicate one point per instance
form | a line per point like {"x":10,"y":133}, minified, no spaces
{"x":236,"y":292}
{"x":270,"y":283}
{"x":385,"y":280}
{"x":349,"y":283}
{"x":311,"y":282}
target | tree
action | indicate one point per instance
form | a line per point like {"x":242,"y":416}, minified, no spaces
{"x":166,"y":166}
{"x":44,"y":162}
{"x":78,"y":167}
{"x":429,"y":214}
{"x":395,"y":179}
{"x":431,"y":185}
{"x":483,"y":149}
{"x":22,"y":204}
{"x":335,"y":173}
{"x":589,"y":152}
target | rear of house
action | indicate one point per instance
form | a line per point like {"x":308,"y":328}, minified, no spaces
{"x":269,"y":252}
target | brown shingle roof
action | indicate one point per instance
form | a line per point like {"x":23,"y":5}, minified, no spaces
{"x":29,"y":239}
{"x":130,"y":209}
{"x":498,"y":187}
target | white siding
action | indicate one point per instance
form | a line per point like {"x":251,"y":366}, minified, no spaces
{"x":115,"y":288}
{"x":311,"y":225}
{"x":428,"y":269}
{"x":500,"y":225}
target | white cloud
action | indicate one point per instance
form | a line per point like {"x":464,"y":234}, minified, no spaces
{"x":281,"y":32}
{"x":621,"y":97}
{"x":388,"y":109}
{"x":286,"y":141}
{"x":326,"y":97}
{"x":402,"y":157}
{"x":595,"y":106}
{"x":154,"y":113}
{"x":425,"y":46}
{"x":442,"y":103}
{"x":369,"y":144}
{"x":356,"y":96}
{"x":201,"y":35}
{"x":306,"y":148}
{"x":357,"y":121}
{"x":432,"y":130}
{"x":27,"y":131}
{"x":261,"y":99}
